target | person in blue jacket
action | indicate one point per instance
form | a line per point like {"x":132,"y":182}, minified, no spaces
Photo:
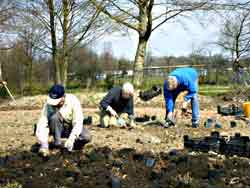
{"x":179,"y":80}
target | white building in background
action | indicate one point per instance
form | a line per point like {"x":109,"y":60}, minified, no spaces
{"x":101,"y":76}
{"x":130,"y":72}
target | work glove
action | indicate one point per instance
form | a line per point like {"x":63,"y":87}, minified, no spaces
{"x":69,"y":144}
{"x":112,"y":111}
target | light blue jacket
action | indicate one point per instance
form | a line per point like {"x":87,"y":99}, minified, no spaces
{"x":187,"y":79}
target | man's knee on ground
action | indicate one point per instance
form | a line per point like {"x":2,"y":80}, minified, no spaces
{"x":104,"y":120}
{"x":113,"y":121}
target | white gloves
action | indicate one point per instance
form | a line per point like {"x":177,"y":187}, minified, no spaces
{"x":69,"y":144}
{"x":112,"y":111}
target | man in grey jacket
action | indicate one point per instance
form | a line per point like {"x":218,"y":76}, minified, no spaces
{"x":117,"y":107}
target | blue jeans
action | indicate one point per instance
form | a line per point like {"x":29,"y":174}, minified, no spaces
{"x":195,"y":108}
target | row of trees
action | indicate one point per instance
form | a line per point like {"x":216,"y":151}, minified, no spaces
{"x":84,"y":65}
{"x":55,"y":30}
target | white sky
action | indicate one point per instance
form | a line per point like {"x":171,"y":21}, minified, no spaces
{"x":170,"y":39}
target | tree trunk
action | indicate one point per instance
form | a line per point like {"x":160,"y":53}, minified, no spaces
{"x":64,"y":70}
{"x":55,"y":61}
{"x":30,"y":74}
{"x":139,"y":61}
{"x":145,"y":29}
{"x":216,"y":75}
{"x":1,"y":72}
{"x":65,"y":57}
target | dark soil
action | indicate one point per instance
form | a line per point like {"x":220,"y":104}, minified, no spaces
{"x":148,"y":157}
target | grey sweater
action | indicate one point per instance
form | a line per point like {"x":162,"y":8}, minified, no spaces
{"x":117,"y":102}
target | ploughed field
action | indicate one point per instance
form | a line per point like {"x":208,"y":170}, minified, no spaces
{"x":146,"y":156}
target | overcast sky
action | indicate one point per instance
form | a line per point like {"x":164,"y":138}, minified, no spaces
{"x":171,"y":39}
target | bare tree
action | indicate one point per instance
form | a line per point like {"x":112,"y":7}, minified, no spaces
{"x":6,"y":14}
{"x":235,"y":35}
{"x":30,"y":33}
{"x":144,"y":17}
{"x":235,"y":38}
{"x":68,"y":23}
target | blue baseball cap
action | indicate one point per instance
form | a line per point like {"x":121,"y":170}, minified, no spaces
{"x":56,"y":92}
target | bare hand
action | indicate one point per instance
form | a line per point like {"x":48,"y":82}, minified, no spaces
{"x":69,"y":144}
{"x":113,"y":113}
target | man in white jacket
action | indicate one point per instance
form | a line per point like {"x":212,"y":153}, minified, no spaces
{"x":61,"y":114}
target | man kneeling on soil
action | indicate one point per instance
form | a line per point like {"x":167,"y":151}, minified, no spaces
{"x":117,"y":107}
{"x":62,"y":117}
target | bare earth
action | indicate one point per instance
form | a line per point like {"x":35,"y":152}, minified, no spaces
{"x":122,"y":153}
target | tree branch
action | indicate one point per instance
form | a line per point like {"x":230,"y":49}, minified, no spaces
{"x":179,"y":12}
{"x":115,"y":18}
{"x":124,"y":11}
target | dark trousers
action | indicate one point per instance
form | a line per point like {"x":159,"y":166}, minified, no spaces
{"x":61,"y":129}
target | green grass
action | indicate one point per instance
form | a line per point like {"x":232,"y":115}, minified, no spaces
{"x":214,"y":90}
{"x":12,"y":185}
{"x":102,"y":86}
{"x":207,"y":90}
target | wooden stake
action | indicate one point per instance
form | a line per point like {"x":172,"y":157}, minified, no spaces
{"x":8,"y":91}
